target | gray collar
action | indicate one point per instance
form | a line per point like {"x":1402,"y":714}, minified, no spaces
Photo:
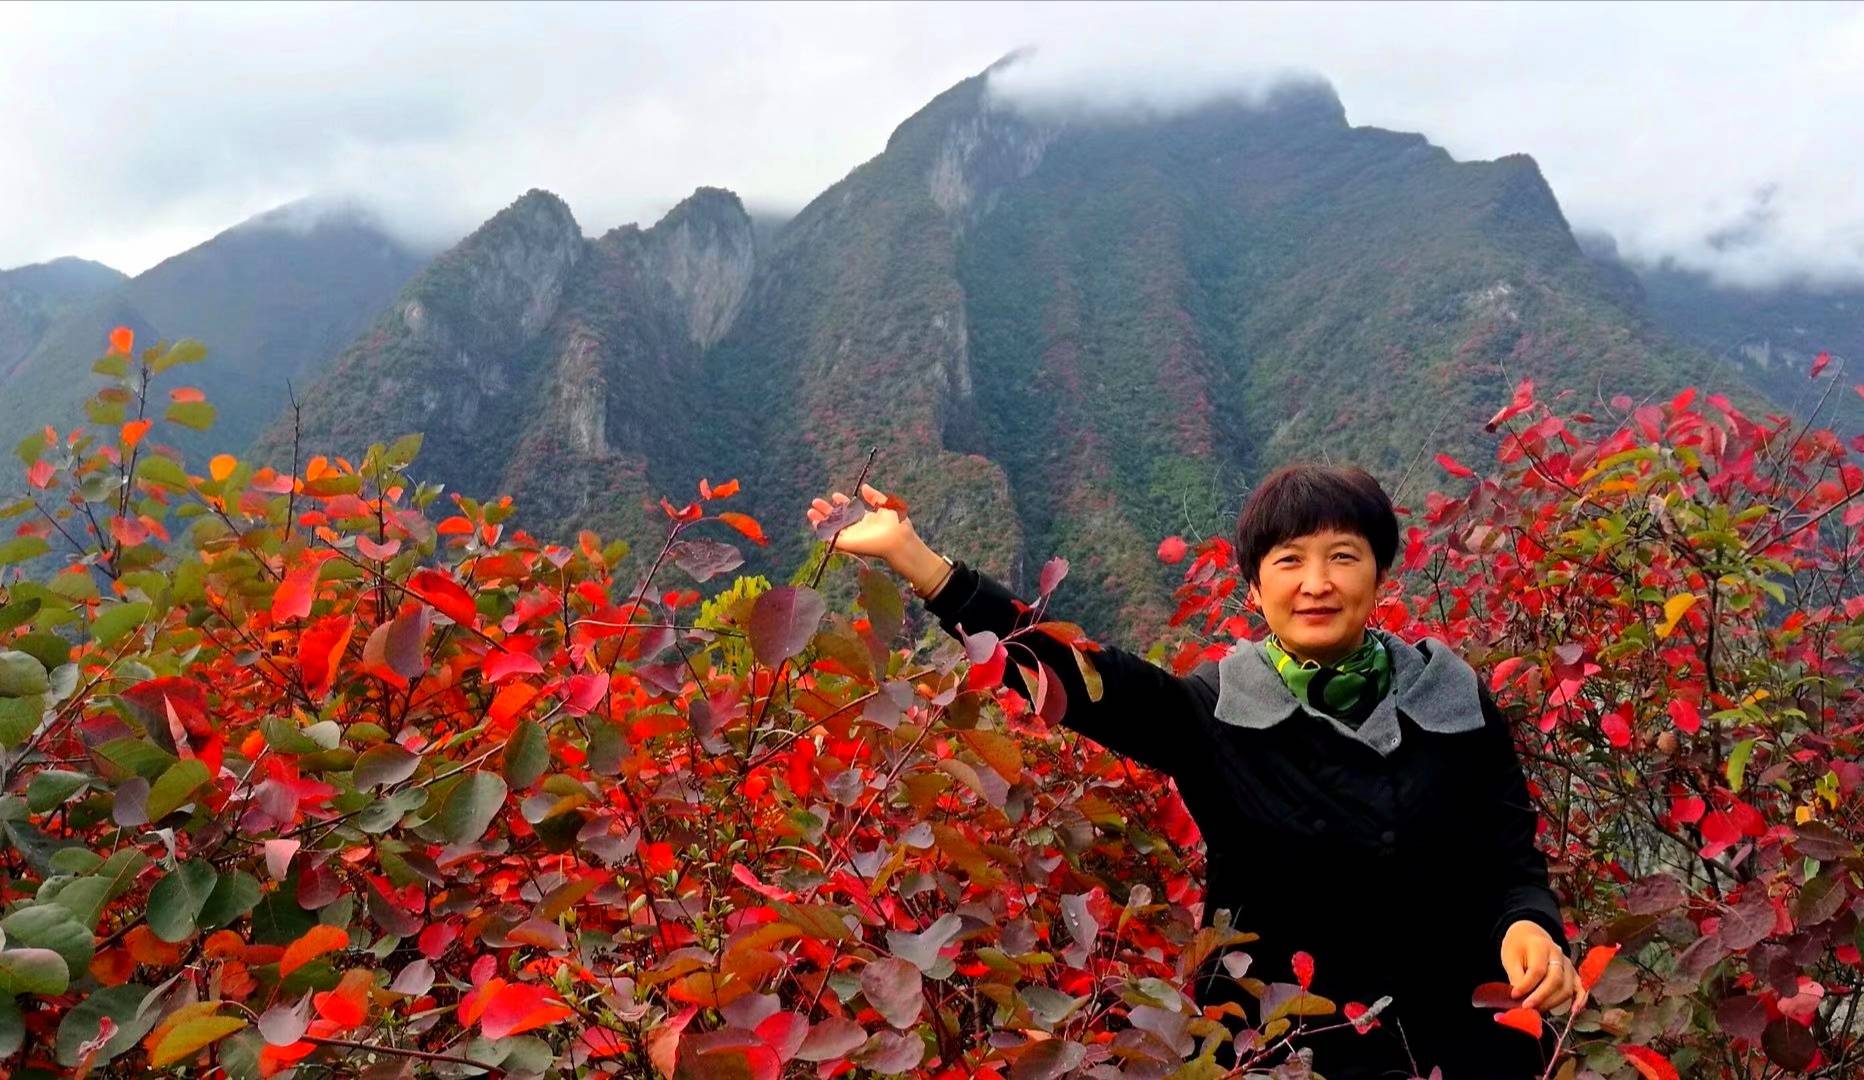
{"x":1431,"y":685}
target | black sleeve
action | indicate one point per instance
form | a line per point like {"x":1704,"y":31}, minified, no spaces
{"x":1520,"y":867}
{"x":1144,"y":711}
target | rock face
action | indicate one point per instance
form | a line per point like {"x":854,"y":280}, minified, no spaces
{"x":541,"y":363}
{"x":1057,"y":336}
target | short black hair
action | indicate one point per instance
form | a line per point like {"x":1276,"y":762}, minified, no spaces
{"x":1299,"y":500}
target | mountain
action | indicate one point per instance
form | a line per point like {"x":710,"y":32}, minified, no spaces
{"x":274,"y":298}
{"x":1771,"y":335}
{"x":1063,"y":335}
{"x":33,"y":297}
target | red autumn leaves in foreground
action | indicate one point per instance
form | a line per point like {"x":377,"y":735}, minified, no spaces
{"x":311,"y":772}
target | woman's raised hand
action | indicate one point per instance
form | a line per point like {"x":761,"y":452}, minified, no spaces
{"x":881,"y":532}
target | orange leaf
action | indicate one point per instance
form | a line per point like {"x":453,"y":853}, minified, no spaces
{"x":445,"y":595}
{"x":1527,"y":1020}
{"x":122,"y":340}
{"x":320,"y":652}
{"x":221,"y":467}
{"x":134,"y":431}
{"x":521,"y":1007}
{"x":1650,"y":1063}
{"x":145,"y":948}
{"x":186,"y":393}
{"x":348,"y":1004}
{"x":1593,"y":967}
{"x":293,"y":598}
{"x":316,"y":941}
{"x":745,"y":524}
{"x":510,"y":702}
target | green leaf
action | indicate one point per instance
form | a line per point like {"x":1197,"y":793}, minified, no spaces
{"x":51,"y":787}
{"x":51,"y":926}
{"x":121,"y":1004}
{"x":21,"y":549}
{"x":1737,"y":763}
{"x":402,"y":451}
{"x":198,"y":415}
{"x":156,"y":469}
{"x":117,"y":621}
{"x":33,"y":971}
{"x":12,"y":1028}
{"x":19,"y":614}
{"x":35,"y":846}
{"x":84,"y":898}
{"x":185,"y":351}
{"x":286,"y":737}
{"x":176,"y":784}
{"x":136,"y":757}
{"x":471,"y":806}
{"x":234,"y":895}
{"x":21,"y":674}
{"x":384,"y":764}
{"x":176,"y":901}
{"x":115,"y":365}
{"x":527,"y":754}
{"x":47,"y":648}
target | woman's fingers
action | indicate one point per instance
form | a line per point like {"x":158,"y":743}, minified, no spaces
{"x":1555,"y":986}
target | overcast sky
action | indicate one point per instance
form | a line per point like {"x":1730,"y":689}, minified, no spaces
{"x":1729,"y":137}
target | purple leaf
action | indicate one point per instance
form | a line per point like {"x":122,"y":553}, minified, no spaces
{"x":922,"y":949}
{"x":1048,"y":1060}
{"x":782,"y":622}
{"x":406,"y":649}
{"x":840,"y":518}
{"x":834,"y":1038}
{"x":1052,"y":573}
{"x":891,"y":1052}
{"x":705,"y":559}
{"x":282,"y":1024}
{"x":892,"y":987}
{"x":1743,"y":1016}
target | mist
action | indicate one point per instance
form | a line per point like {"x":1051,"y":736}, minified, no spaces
{"x":1724,"y":138}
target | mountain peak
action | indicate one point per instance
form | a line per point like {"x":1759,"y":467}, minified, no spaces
{"x":705,"y":249}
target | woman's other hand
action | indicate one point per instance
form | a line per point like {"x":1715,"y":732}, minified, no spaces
{"x":881,"y":532}
{"x":1538,"y":968}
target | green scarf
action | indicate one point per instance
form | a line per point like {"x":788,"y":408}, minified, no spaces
{"x":1348,"y":690}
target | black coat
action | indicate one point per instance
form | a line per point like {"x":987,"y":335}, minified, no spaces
{"x":1396,"y":855}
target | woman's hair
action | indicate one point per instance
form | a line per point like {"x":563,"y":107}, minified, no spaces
{"x":1297,"y":500}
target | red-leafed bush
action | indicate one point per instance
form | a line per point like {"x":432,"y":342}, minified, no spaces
{"x":321,"y":772}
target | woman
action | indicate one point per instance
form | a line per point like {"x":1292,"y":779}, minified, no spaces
{"x":1359,"y":797}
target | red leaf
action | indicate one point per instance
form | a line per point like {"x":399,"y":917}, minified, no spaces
{"x":585,"y":692}
{"x":521,"y":1007}
{"x":316,"y":941}
{"x":133,"y":432}
{"x":122,"y":340}
{"x":293,"y":598}
{"x":379,"y":552}
{"x":745,"y":524}
{"x":320,"y":652}
{"x":1819,"y":364}
{"x":1592,"y":968}
{"x":504,"y":661}
{"x":724,"y":491}
{"x":446,"y":595}
{"x":1304,"y":969}
{"x":348,"y":1004}
{"x":1454,"y":467}
{"x":1650,"y":1063}
{"x":1172,"y":549}
{"x":1617,"y":727}
{"x":1688,"y":809}
{"x":989,"y":674}
{"x":40,"y":474}
{"x":1685,"y":715}
{"x":1527,"y":1020}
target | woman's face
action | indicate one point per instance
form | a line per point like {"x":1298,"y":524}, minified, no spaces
{"x":1317,"y":592}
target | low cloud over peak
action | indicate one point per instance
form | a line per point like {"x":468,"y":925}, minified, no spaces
{"x":1724,"y":138}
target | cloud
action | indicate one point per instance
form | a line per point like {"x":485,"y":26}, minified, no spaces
{"x":135,"y":131}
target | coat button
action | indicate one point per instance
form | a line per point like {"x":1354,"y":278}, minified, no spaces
{"x":1388,"y":837}
{"x":1320,"y":824}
